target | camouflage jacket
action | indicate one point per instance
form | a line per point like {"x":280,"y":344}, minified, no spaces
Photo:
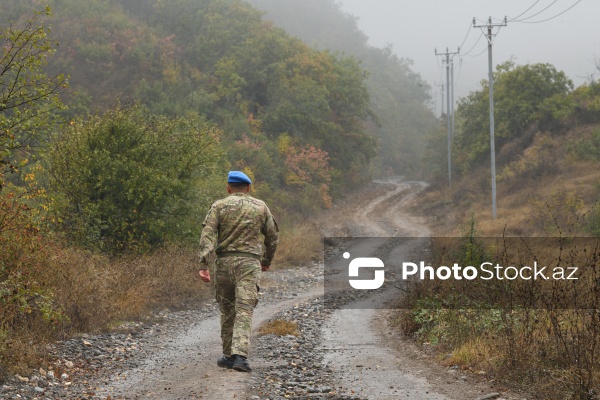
{"x":238,"y":223}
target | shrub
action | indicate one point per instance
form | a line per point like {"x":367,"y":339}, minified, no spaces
{"x":541,"y":336}
{"x":27,"y":305}
{"x":586,"y":147}
{"x":560,"y":214}
{"x":129,"y":180}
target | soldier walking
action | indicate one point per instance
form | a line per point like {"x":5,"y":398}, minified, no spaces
{"x":234,"y":232}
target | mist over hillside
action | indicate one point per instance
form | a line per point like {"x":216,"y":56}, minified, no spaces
{"x":399,"y":96}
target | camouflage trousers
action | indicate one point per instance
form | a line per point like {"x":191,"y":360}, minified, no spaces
{"x":236,"y":280}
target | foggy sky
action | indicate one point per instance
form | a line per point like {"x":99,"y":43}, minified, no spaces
{"x":415,"y":28}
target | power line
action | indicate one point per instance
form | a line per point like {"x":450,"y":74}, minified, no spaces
{"x":478,"y":54}
{"x":520,"y":15}
{"x":500,"y":26}
{"x":475,"y":45}
{"x":466,"y":36}
{"x":464,"y":89}
{"x":439,"y":65}
{"x":556,"y":16}
{"x":538,"y":13}
{"x":442,"y":86}
{"x":441,"y":68}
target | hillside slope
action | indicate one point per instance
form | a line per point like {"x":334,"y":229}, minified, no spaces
{"x":547,"y":140}
{"x":399,"y":96}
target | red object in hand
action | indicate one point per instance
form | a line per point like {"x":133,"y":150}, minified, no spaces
{"x":204,"y":275}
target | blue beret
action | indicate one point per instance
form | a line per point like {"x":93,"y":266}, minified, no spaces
{"x":238,"y":177}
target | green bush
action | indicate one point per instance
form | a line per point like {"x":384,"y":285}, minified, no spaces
{"x":587,"y":148}
{"x":127,"y":180}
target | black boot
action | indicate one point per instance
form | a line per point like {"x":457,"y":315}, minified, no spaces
{"x":225,"y":362}
{"x":241,"y":364}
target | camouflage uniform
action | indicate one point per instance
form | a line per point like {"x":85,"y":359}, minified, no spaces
{"x":232,"y":232}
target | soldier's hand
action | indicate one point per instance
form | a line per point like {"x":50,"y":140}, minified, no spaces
{"x":265,"y":267}
{"x":204,"y":275}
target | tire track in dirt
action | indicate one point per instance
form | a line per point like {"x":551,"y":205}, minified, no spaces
{"x":377,"y":211}
{"x":185,"y":367}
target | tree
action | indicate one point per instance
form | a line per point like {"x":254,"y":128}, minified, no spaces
{"x":130,"y":180}
{"x":520,"y":92}
{"x":523,"y":96}
{"x":28,"y":97}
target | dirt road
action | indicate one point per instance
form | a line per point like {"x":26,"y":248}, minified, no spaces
{"x":380,"y":212}
{"x":363,"y":356}
{"x":185,"y":366}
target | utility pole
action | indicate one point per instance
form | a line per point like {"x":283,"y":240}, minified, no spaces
{"x":452,"y":97}
{"x":449,"y":107}
{"x":490,"y":38}
{"x":442,"y":86}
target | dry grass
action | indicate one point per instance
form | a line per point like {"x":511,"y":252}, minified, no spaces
{"x":299,"y":244}
{"x":448,"y":210}
{"x":551,"y":351}
{"x":24,"y":349}
{"x":477,"y":354}
{"x":279,"y":327}
{"x":95,"y":292}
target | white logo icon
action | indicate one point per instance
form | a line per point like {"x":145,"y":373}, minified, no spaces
{"x":365,"y":262}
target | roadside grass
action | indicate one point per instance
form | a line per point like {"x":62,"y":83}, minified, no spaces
{"x":550,"y":164}
{"x":299,"y":244}
{"x":476,"y":355}
{"x":92,"y":292}
{"x":23,"y":348}
{"x":551,"y":352}
{"x":549,"y":355}
{"x":279,"y":327}
{"x":96,"y":290}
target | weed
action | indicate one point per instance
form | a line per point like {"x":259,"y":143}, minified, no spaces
{"x":279,"y":327}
